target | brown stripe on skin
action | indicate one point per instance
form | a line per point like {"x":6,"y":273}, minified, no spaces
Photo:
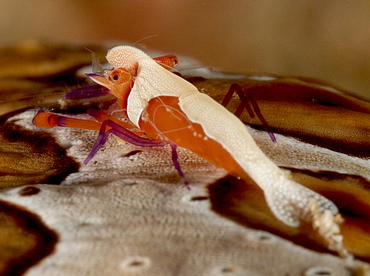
{"x":335,"y":128}
{"x":24,"y":240}
{"x":31,"y":158}
{"x":301,"y":109}
{"x":352,"y":197}
{"x":243,"y":202}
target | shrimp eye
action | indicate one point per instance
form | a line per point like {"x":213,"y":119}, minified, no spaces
{"x":119,"y":75}
{"x":114,"y":76}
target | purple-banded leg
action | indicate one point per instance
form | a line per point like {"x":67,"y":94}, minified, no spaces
{"x":246,"y":102}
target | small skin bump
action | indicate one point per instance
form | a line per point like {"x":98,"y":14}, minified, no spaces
{"x":264,"y":237}
{"x":29,"y":191}
{"x":228,"y":271}
{"x":131,"y":153}
{"x":199,"y":198}
{"x":135,"y":263}
{"x":194,"y":199}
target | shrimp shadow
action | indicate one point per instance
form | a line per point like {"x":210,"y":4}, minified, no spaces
{"x":244,"y":203}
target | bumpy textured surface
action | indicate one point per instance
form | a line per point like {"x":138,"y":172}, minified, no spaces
{"x":143,"y":227}
{"x":110,"y":218}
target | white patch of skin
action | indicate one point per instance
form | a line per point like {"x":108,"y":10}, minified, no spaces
{"x":286,"y":198}
{"x":292,"y":153}
{"x":262,"y":77}
{"x":330,"y":88}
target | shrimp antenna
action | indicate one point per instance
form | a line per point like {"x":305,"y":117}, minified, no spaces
{"x":97,"y":68}
{"x":141,"y":45}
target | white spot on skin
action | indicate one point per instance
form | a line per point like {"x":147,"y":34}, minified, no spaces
{"x":329,"y":88}
{"x":318,"y":271}
{"x":262,"y":77}
{"x":76,"y":142}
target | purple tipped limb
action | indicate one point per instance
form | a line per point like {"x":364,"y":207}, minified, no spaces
{"x":131,"y":138}
{"x":122,"y":133}
{"x":62,"y":120}
{"x":245,"y":100}
{"x":176,"y":163}
{"x":257,"y":110}
{"x":86,"y":92}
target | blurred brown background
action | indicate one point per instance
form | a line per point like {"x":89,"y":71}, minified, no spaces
{"x":325,"y":39}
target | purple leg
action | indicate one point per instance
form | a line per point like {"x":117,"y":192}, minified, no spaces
{"x":245,"y":98}
{"x":122,"y":133}
{"x":134,"y":139}
{"x":87,"y":92}
{"x":257,"y":110}
{"x":177,"y":165}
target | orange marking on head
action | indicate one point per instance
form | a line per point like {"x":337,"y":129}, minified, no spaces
{"x":119,"y":82}
{"x":168,"y":62}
